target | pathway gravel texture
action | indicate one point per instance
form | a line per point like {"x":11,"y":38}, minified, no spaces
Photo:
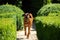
{"x":33,"y":34}
{"x":21,"y":36}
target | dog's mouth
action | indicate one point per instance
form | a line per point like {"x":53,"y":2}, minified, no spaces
{"x":26,"y":21}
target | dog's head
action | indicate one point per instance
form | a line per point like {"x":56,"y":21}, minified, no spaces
{"x":27,"y":15}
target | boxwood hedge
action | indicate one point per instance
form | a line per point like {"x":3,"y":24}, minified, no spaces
{"x":7,"y":28}
{"x":10,"y":17}
{"x":48,"y":27}
{"x":48,"y":22}
{"x":49,"y":8}
{"x":10,"y":9}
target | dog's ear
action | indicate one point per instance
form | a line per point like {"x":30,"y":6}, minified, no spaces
{"x":23,"y":14}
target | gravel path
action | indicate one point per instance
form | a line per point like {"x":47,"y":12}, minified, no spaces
{"x":21,"y":36}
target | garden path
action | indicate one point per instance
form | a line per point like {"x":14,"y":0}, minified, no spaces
{"x":33,"y":36}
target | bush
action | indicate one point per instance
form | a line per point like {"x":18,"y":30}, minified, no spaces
{"x":7,"y":29}
{"x":48,"y":27}
{"x":8,"y":26}
{"x":10,"y":9}
{"x":47,"y":9}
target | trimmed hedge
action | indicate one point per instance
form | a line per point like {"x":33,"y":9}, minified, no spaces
{"x":10,"y":17}
{"x":10,"y":9}
{"x":48,"y":27}
{"x":7,"y":28}
{"x":48,"y":22}
{"x":47,"y":9}
{"x":7,"y":23}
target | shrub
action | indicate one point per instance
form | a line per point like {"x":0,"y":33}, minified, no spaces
{"x":7,"y":29}
{"x":47,"y":9}
{"x":8,"y":26}
{"x":48,"y":27}
{"x":10,"y":9}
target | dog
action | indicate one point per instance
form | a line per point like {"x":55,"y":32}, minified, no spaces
{"x":28,"y":21}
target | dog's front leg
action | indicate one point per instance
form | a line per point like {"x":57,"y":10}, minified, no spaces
{"x":25,"y":29}
{"x":28,"y":32}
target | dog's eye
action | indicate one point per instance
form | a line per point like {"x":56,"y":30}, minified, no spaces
{"x":30,"y":16}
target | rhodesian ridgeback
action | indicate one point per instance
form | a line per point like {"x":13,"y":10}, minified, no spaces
{"x":28,"y":21}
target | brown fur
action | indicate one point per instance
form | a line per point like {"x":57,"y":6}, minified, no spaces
{"x":28,"y":20}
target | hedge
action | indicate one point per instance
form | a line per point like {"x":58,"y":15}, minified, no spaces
{"x":48,"y":27}
{"x":8,"y":26}
{"x":7,"y":29}
{"x":49,"y":8}
{"x":7,"y":9}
